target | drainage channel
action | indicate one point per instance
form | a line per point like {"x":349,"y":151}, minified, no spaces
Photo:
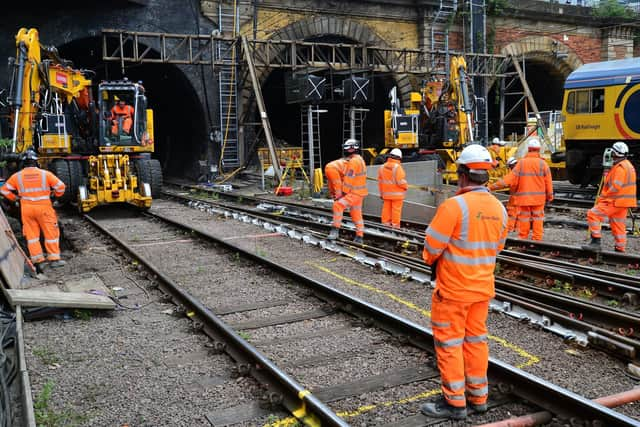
{"x":296,"y":397}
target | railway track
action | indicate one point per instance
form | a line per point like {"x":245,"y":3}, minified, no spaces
{"x":355,"y":339}
{"x":567,"y":298}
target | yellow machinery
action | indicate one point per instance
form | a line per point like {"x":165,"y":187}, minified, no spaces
{"x":102,"y":156}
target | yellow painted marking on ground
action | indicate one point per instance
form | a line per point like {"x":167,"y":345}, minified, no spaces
{"x":191,"y":313}
{"x":291,"y":421}
{"x":531,"y":359}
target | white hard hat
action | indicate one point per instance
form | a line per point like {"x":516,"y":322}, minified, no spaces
{"x":351,"y":145}
{"x":620,"y":149}
{"x":511,"y":161}
{"x":533,"y":143}
{"x":498,"y":141}
{"x":396,"y":152}
{"x":475,"y":156}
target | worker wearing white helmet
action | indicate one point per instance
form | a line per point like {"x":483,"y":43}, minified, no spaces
{"x":461,"y":245}
{"x":531,"y":187}
{"x":506,"y":182}
{"x":617,"y":195}
{"x":393,"y":186}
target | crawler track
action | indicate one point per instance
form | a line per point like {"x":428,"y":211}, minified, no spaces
{"x":374,"y":336}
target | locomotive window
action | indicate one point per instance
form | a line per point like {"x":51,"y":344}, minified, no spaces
{"x":582,"y":101}
{"x":571,"y":102}
{"x":597,"y":101}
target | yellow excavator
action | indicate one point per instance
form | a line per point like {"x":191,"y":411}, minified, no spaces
{"x":439,"y":123}
{"x":102,"y":151}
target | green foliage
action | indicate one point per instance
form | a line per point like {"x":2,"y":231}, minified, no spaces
{"x":46,"y":356}
{"x":245,"y":336}
{"x":82,"y":314}
{"x":613,"y":303}
{"x":496,"y":7}
{"x":46,"y":416}
{"x":612,"y":9}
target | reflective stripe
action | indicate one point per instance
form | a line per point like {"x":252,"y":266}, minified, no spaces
{"x":30,"y":241}
{"x":20,"y":184}
{"x":4,"y":192}
{"x":454,"y":385}
{"x":437,"y":235}
{"x":538,"y":212}
{"x":432,"y":251}
{"x":454,"y":396}
{"x":620,"y":236}
{"x":477,"y":380}
{"x":51,"y":240}
{"x":598,"y":212}
{"x":628,"y":196}
{"x":9,"y":186}
{"x":464,"y":223}
{"x":469,"y":261}
{"x":35,"y":258}
{"x":476,"y":339}
{"x":478,"y":392}
{"x":392,"y":193}
{"x":462,"y":244}
{"x":35,"y":199}
{"x":617,"y":219}
{"x":356,"y":208}
{"x":440,"y":324}
{"x":455,"y":342}
{"x":58,"y":185}
{"x":54,"y":255}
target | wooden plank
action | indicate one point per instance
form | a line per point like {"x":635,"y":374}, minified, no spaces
{"x":36,"y":298}
{"x":248,"y":307}
{"x":376,"y":382}
{"x":306,"y":336}
{"x":12,"y":258}
{"x":240,"y":413}
{"x":279,"y":320}
{"x":28,"y":414}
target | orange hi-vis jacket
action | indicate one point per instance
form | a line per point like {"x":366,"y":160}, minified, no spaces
{"x":334,"y":171}
{"x":126,"y":111}
{"x":619,"y":187}
{"x":33,"y":186}
{"x":465,"y":236}
{"x":531,"y":183}
{"x":391,"y":180}
{"x":355,"y":176}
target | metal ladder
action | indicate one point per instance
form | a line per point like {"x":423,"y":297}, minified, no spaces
{"x":227,"y":52}
{"x":353,"y":122}
{"x":306,"y":129}
{"x":440,"y":33}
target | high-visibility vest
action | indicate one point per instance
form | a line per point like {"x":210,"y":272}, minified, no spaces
{"x":465,"y":236}
{"x":619,"y":186}
{"x":334,"y":171}
{"x":391,"y":180}
{"x":33,"y":186}
{"x":355,"y":176}
{"x":126,"y":111}
{"x":532,"y":184}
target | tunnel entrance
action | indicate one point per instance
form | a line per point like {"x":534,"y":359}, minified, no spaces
{"x":546,"y":83}
{"x":285,"y":119}
{"x":179,"y":121}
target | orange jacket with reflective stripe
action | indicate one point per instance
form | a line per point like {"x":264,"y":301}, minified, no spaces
{"x":531,"y":183}
{"x":619,"y":185}
{"x":509,"y":181}
{"x":33,"y":185}
{"x":355,"y":176}
{"x":391,"y":180}
{"x":465,"y":236}
{"x":334,"y":171}
{"x":126,"y":111}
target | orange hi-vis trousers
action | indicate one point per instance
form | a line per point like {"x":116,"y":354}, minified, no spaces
{"x":617,"y":217}
{"x":391,"y":212}
{"x":36,"y":216}
{"x":462,"y":350}
{"x":512,"y":213}
{"x":354,"y":203}
{"x":528,"y":215}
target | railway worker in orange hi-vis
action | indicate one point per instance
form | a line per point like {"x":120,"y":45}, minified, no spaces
{"x":334,"y":171}
{"x":354,"y":189}
{"x":461,"y":244}
{"x":121,"y":117}
{"x":34,"y":186}
{"x":531,"y":187}
{"x":617,"y":195}
{"x":393,"y":187}
{"x":507,"y":181}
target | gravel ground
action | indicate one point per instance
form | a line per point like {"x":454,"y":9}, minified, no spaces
{"x":92,"y":366}
{"x":585,"y":371}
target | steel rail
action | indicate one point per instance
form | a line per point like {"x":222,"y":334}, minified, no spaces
{"x":522,"y":384}
{"x":297,"y":398}
{"x":562,"y":308}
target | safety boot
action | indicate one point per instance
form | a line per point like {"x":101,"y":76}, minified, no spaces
{"x":358,"y":240}
{"x":57,"y":264}
{"x":480,"y":408}
{"x":441,"y":409}
{"x":594,"y":245}
{"x":333,"y":235}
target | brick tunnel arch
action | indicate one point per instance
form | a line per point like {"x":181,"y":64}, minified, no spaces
{"x":548,"y":62}
{"x":179,"y":119}
{"x":327,"y":30}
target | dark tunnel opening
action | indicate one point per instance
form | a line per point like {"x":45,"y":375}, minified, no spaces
{"x":286,"y":122}
{"x":546,"y":84}
{"x":179,"y":121}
